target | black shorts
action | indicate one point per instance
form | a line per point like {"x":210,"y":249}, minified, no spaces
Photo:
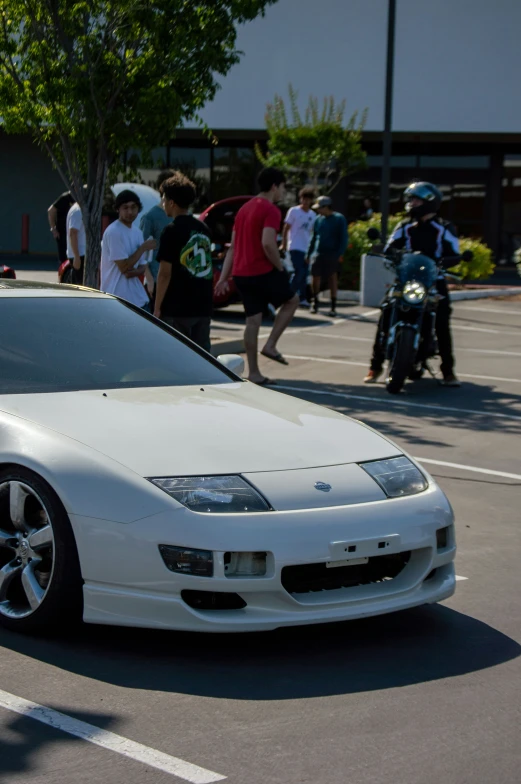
{"x":259,"y":291}
{"x":324,"y":266}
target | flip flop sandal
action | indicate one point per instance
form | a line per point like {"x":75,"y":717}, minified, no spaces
{"x":276,"y":358}
{"x":265,"y":382}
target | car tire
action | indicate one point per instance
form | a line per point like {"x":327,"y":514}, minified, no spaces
{"x":402,"y":362}
{"x":40,"y":576}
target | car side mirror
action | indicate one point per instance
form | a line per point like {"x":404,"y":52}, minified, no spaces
{"x":232,"y":362}
{"x":467,"y":255}
{"x":373,"y":234}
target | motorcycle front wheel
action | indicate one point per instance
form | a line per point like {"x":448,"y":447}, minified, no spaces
{"x":402,"y":361}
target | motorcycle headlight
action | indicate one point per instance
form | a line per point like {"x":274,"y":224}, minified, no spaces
{"x":213,"y":494}
{"x":397,"y":476}
{"x":414,"y":292}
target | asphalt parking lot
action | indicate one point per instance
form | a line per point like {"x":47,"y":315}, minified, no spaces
{"x":418,"y":697}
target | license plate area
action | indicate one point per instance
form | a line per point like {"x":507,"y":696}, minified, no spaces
{"x":350,"y":550}
{"x":347,"y":562}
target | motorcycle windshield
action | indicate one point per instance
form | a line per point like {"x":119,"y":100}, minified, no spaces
{"x":416,"y":266}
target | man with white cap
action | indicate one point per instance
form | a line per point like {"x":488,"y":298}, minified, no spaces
{"x":327,"y":247}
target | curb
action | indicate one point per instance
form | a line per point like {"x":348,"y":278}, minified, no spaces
{"x":343,"y":295}
{"x":483,"y":293}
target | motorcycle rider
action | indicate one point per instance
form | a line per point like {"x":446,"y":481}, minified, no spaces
{"x":424,"y":231}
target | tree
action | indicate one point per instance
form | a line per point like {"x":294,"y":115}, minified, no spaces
{"x":319,"y":150}
{"x":91,"y":79}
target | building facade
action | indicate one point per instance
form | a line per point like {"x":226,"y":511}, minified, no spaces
{"x":456,"y":116}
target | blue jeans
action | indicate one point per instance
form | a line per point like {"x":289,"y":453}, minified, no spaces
{"x":299,"y":282}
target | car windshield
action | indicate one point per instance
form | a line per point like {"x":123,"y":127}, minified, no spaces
{"x":58,"y":344}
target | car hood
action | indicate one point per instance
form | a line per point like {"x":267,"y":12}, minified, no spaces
{"x":221,"y":429}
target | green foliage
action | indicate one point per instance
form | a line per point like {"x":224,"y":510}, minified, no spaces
{"x":320,"y":149}
{"x":359,"y":243}
{"x":479,"y":268}
{"x":92,"y":79}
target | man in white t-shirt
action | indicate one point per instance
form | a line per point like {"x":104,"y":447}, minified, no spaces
{"x":296,"y":236}
{"x":122,"y":249}
{"x":76,"y":242}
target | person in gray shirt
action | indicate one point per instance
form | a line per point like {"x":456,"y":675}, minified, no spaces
{"x":327,"y":247}
{"x":154,"y":221}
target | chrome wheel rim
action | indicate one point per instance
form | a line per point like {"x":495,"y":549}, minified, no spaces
{"x":26,"y":550}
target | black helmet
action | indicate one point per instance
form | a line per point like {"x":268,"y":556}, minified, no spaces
{"x":428,"y":193}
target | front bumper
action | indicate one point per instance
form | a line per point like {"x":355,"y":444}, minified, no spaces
{"x":127,"y":583}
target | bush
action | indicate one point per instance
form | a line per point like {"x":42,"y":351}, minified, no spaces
{"x":479,"y":268}
{"x":359,"y":243}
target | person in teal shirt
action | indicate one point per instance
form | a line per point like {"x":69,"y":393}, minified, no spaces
{"x":327,"y":247}
{"x":154,"y":221}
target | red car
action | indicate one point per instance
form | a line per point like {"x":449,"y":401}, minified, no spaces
{"x":7,"y":272}
{"x":220,"y":217}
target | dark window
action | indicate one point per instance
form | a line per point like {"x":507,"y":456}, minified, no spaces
{"x":455,"y":161}
{"x":58,"y":344}
{"x":397,"y":161}
{"x":511,"y":207}
{"x":148,"y":167}
{"x":233,"y":172}
{"x":194,"y":163}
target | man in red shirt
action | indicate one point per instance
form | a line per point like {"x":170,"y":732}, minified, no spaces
{"x":254,"y":261}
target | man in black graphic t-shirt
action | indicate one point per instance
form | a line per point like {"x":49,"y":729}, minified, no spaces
{"x":184,"y":288}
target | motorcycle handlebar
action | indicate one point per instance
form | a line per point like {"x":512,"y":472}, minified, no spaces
{"x":449,"y":260}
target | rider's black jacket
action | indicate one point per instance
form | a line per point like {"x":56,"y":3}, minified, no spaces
{"x":435,"y":237}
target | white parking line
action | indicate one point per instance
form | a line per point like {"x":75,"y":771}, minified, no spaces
{"x":489,"y":331}
{"x":339,"y":337}
{"x":109,"y":740}
{"x":329,"y":336}
{"x":365,"y":364}
{"x":491,"y":351}
{"x":459,"y":577}
{"x":478,"y":309}
{"x":326,"y":359}
{"x":391,"y":401}
{"x":461,"y":467}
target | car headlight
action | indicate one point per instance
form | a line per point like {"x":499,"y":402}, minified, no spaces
{"x":211,"y":494}
{"x":397,"y":476}
{"x":414,"y":292}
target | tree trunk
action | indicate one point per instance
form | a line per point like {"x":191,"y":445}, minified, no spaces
{"x":91,"y":276}
{"x":92,"y":209}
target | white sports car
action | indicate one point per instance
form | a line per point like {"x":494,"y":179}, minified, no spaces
{"x":144,"y":483}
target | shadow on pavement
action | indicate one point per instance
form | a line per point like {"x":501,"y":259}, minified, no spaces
{"x":26,"y":739}
{"x":474,"y":406}
{"x":420,"y":645}
{"x":487,"y":323}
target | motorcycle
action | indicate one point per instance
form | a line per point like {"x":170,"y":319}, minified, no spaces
{"x":408,"y":333}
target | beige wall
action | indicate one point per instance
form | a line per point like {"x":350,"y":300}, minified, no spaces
{"x":458,"y":63}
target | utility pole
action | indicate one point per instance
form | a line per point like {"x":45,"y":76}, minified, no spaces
{"x":387,"y":136}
